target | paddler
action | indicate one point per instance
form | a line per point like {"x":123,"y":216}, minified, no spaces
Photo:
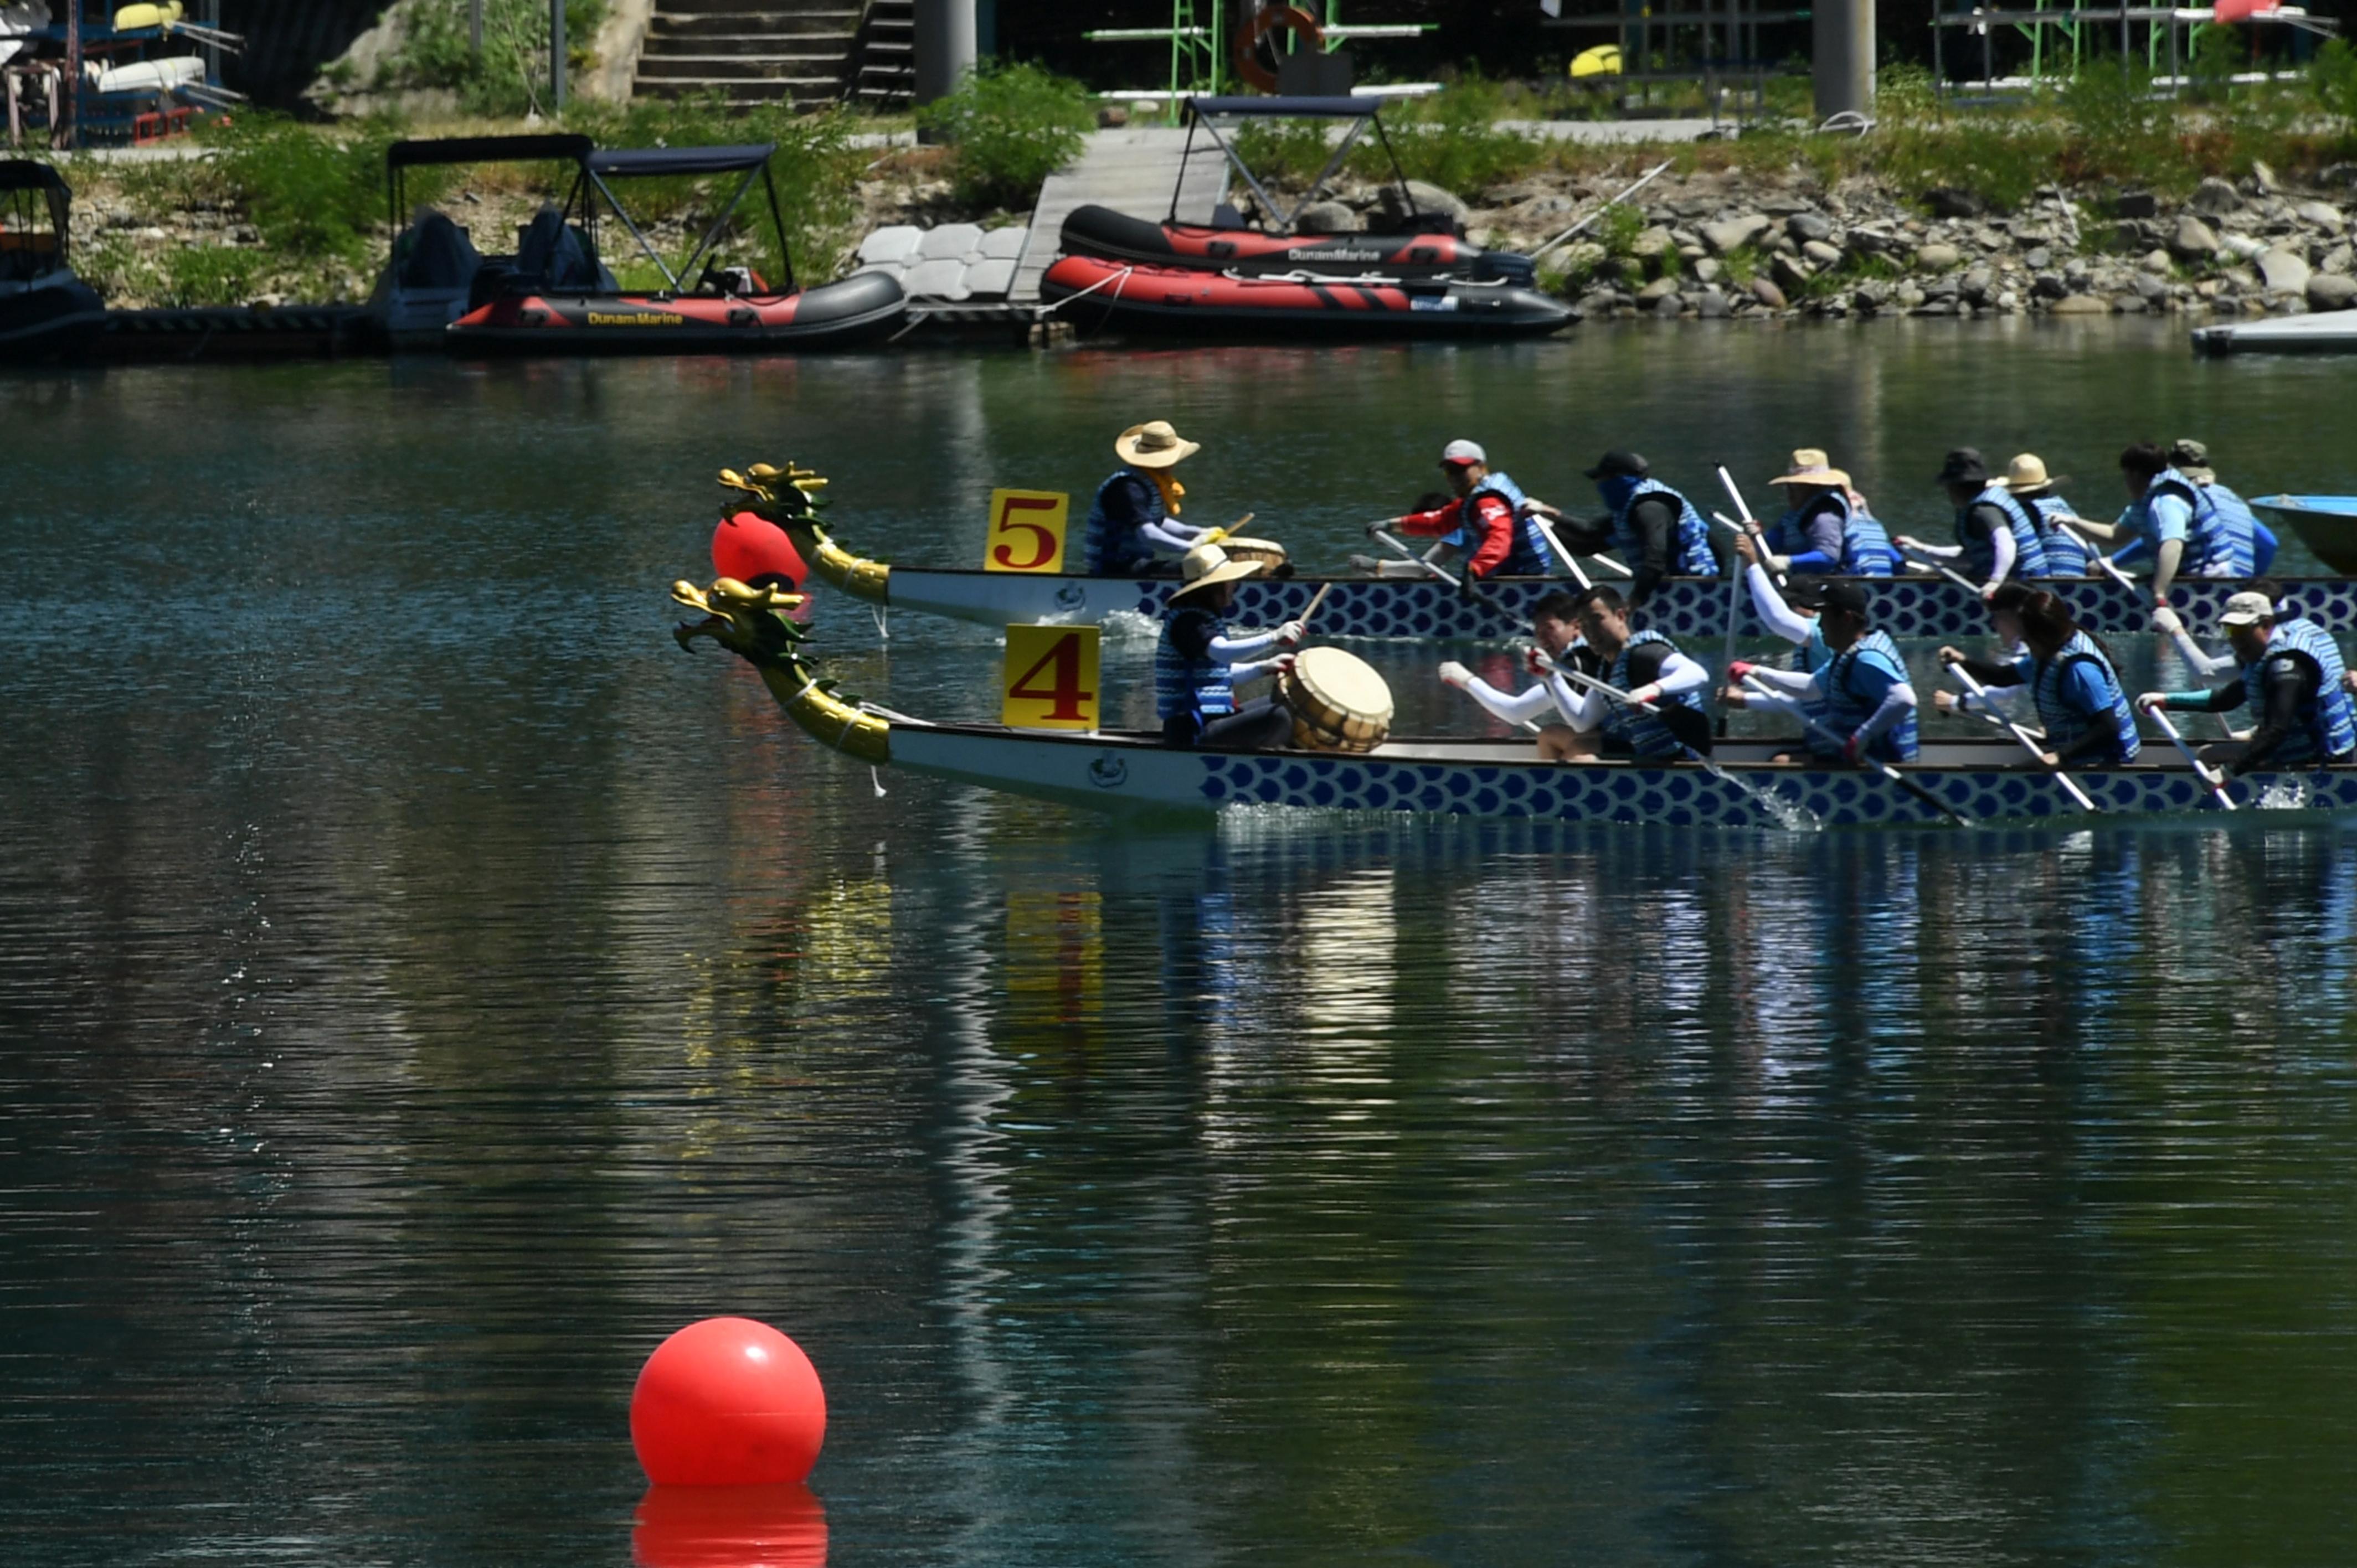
{"x":1646,"y":668}
{"x":1134,"y":529}
{"x":1852,"y":681}
{"x":1826,"y":527}
{"x":1655,"y":530}
{"x":1197,"y":665}
{"x":2176,"y":519}
{"x":2070,"y":676}
{"x":1486,"y":523}
{"x":1994,"y":538}
{"x":1556,"y":632}
{"x":2034,"y":491}
{"x":2292,"y":677}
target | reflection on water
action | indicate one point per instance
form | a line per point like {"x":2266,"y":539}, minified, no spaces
{"x":729,"y":1527}
{"x":424,"y":989}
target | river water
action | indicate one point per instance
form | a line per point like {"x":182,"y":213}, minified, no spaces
{"x":424,"y":988}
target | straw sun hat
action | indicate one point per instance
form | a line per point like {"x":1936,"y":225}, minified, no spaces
{"x":1153,"y":445}
{"x":1207,"y":565}
{"x":1810,"y":467}
{"x":2027,"y":473}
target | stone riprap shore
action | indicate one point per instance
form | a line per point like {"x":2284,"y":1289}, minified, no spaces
{"x":1729,"y":244}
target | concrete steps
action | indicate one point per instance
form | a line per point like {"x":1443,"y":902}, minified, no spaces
{"x":750,"y":51}
{"x":887,"y":78}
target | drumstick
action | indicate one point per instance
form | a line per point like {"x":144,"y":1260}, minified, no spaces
{"x":1315,"y":600}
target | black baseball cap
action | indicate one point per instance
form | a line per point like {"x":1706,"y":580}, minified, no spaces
{"x":1805,"y":593}
{"x":1846,"y":597}
{"x":1616,"y":462}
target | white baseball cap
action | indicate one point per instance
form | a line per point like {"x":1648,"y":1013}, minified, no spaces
{"x":2246,"y":609}
{"x":1464,"y":452}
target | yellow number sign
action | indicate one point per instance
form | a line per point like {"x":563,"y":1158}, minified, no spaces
{"x":1051,"y":678}
{"x":1027,"y":530}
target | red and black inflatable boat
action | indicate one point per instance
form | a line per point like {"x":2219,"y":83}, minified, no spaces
{"x":1101,"y":231}
{"x":1192,"y":302}
{"x":857,"y":310}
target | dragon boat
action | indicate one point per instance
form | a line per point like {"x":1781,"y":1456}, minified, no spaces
{"x":1969,"y":780}
{"x":1411,"y":608}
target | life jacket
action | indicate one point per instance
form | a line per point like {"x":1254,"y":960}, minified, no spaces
{"x":2217,"y":544}
{"x":1116,"y":551}
{"x":1690,"y":553}
{"x":2328,"y":726}
{"x":1528,"y":555}
{"x":1847,"y":706}
{"x":2066,"y":553}
{"x":1182,"y":686}
{"x":1980,"y":554}
{"x":1646,"y":736}
{"x":2066,"y":725}
{"x":1867,"y":549}
{"x":2239,"y":520}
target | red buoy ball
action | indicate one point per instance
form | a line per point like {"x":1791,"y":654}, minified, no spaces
{"x":728,"y":1402}
{"x":729,"y":1527}
{"x":752,"y":548}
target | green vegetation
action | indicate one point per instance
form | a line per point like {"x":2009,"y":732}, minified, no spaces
{"x":1009,"y":128}
{"x":1453,"y":140}
{"x":510,"y":75}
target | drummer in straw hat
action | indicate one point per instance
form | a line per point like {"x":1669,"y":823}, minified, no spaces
{"x":1198,"y":664}
{"x":1134,"y":528}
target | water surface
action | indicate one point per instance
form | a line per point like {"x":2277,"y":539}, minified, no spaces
{"x":423,"y":988}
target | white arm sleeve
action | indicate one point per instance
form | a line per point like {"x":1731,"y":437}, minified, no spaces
{"x":2001,"y":548}
{"x":1515,"y":708}
{"x":1793,"y":683}
{"x":1896,"y":702}
{"x":1680,"y":674}
{"x":1774,"y":613}
{"x":2204,"y":664}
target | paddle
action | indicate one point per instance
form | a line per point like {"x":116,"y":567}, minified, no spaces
{"x":2209,"y":776}
{"x":1476,"y":594}
{"x":2069,"y":785}
{"x":1761,"y":688}
{"x":1944,"y":570}
{"x":1547,"y":532}
{"x":1665,"y":715}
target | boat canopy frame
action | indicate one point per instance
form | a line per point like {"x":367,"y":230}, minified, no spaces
{"x":1363,"y":110}
{"x":26,"y":185}
{"x":752,"y":159}
{"x":438,"y":151}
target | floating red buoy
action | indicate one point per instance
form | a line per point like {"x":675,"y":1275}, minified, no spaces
{"x":752,"y":549}
{"x":728,"y":1402}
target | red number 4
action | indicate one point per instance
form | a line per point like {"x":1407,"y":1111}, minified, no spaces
{"x":1065,"y":693}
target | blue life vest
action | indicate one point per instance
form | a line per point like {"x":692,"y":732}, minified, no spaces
{"x":2064,"y":724}
{"x":1690,"y":553}
{"x":1113,"y":551}
{"x":1645,"y":735}
{"x":1527,"y":557}
{"x":1847,"y":706}
{"x":1184,"y":686}
{"x":1867,"y":549}
{"x":2066,"y":553}
{"x":2217,"y":544}
{"x":2328,"y":727}
{"x":1980,"y":554}
{"x":2235,"y":514}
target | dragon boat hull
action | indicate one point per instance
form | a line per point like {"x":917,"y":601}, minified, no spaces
{"x":1410,"y":610}
{"x":1504,"y":780}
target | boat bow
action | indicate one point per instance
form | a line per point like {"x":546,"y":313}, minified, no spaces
{"x":750,"y":622}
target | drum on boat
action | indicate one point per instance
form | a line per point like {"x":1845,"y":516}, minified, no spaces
{"x":1338,"y":702}
{"x":1267,"y":552}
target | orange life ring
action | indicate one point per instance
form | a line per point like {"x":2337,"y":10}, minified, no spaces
{"x":1265,"y":21}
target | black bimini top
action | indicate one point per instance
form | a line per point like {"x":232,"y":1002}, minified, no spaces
{"x":1359,"y":107}
{"x":489,"y":150}
{"x":24,"y":174}
{"x":626,"y":162}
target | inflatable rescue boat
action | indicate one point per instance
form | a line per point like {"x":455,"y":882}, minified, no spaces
{"x":1102,"y":294}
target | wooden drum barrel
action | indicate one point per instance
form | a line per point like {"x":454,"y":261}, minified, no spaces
{"x":1338,"y":702}
{"x":1267,"y":552}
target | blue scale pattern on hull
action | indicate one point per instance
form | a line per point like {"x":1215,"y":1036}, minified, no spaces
{"x":1691,"y":607}
{"x":1691,"y":798}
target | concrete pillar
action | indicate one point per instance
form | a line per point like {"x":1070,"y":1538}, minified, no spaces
{"x":1843,"y":45}
{"x":944,"y":46}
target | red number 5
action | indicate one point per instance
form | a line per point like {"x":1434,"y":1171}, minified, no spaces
{"x":1046,"y":546}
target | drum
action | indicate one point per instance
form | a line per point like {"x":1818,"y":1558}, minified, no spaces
{"x":1267,"y":552}
{"x":1338,"y":702}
